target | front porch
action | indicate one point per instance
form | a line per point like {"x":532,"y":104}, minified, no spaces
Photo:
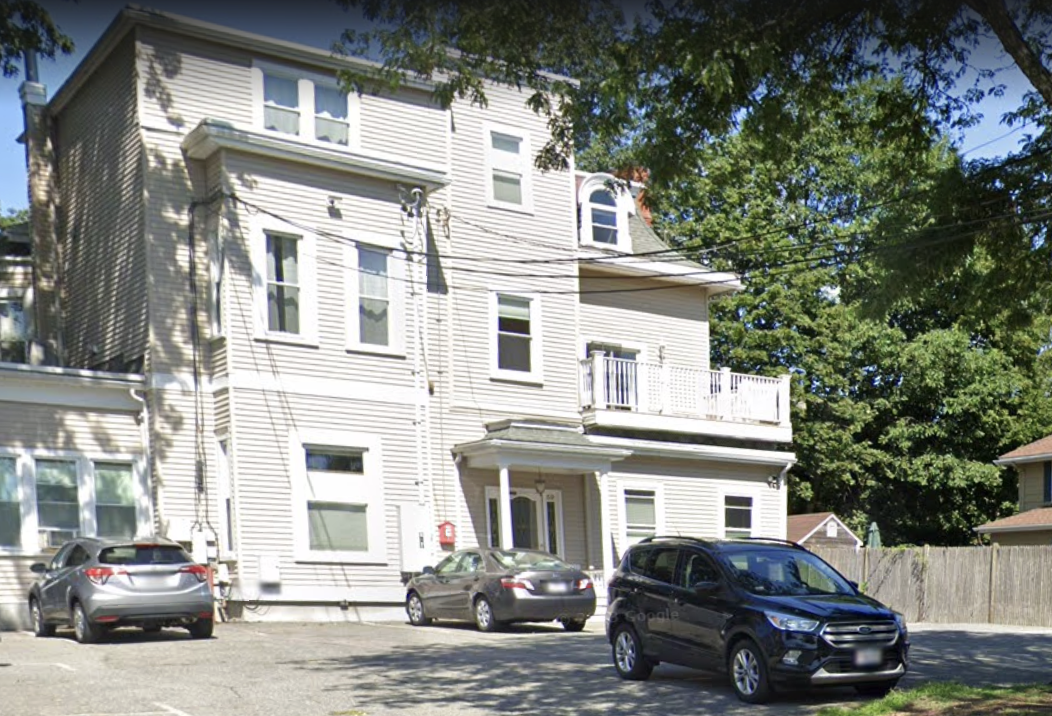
{"x":639,"y":395}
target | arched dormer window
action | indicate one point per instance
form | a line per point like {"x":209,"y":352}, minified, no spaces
{"x":605,"y":206}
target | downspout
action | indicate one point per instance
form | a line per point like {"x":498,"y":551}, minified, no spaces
{"x":158,"y":489}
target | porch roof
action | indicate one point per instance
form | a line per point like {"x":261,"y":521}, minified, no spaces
{"x":1031,"y":520}
{"x":512,"y":443}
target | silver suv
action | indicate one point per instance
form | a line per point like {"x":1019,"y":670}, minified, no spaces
{"x":97,"y":584}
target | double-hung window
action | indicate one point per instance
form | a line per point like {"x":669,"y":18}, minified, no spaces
{"x":58,"y":503}
{"x":283,"y":283}
{"x":340,"y":514}
{"x":10,"y":503}
{"x":517,"y":348}
{"x":641,"y":515}
{"x":508,"y":167}
{"x":375,"y":294}
{"x":13,"y":333}
{"x":602,"y":208}
{"x":737,"y":516}
{"x":374,"y":297}
{"x":605,"y":206}
{"x":306,"y":105}
{"x":115,"y":508}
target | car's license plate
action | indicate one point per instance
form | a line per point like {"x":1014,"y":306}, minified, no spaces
{"x":869,"y":657}
{"x":558,"y":587}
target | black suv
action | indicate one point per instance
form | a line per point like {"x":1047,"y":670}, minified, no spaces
{"x":767,"y":611}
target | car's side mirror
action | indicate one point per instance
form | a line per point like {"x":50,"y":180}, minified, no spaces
{"x":428,"y":570}
{"x":38,"y":568}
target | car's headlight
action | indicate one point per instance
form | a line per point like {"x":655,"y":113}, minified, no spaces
{"x":787,"y":622}
{"x":901,"y":621}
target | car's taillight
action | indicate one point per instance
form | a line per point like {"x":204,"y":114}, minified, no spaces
{"x":516,"y":583}
{"x":101,"y":575}
{"x":199,"y":571}
{"x":583,"y":584}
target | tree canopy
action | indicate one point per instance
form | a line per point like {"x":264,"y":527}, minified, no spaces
{"x":27,"y":25}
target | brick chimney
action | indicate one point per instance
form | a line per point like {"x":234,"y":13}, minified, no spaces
{"x":639,"y":175}
{"x":46,"y":346}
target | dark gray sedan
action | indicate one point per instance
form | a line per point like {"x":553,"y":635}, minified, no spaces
{"x":96,"y":584}
{"x":493,"y":587}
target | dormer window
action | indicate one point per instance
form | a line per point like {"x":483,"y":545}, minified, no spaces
{"x":605,"y":206}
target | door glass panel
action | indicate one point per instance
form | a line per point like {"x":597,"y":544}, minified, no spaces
{"x":553,"y":531}
{"x":10,"y":504}
{"x":523,"y":523}
{"x":494,"y":522}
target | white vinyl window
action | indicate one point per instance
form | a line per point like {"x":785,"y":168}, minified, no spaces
{"x":283,"y":281}
{"x":517,"y":345}
{"x":48,"y":497}
{"x":306,"y":105}
{"x":605,"y":206}
{"x":13,"y":332}
{"x":640,"y":515}
{"x":375,"y":291}
{"x":374,"y":297}
{"x":737,"y":516}
{"x":339,"y":499}
{"x":508,"y":165}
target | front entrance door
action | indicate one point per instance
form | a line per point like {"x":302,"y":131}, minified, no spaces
{"x":536,"y":519}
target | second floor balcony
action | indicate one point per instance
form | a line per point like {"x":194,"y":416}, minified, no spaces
{"x":630,"y":394}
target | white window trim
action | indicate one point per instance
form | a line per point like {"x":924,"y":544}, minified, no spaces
{"x":525,"y":166}
{"x":659,"y":508}
{"x":536,"y":374}
{"x":396,"y":281}
{"x":25,"y":467}
{"x":626,"y":207}
{"x":376,"y":514}
{"x":307,"y":80}
{"x":224,"y":491}
{"x":305,"y":256}
{"x":726,"y":492}
{"x":493,"y":493}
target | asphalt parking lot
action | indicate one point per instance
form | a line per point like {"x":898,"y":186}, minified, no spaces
{"x":386,"y":669}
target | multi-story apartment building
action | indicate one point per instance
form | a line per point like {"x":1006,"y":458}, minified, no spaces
{"x":352,"y":320}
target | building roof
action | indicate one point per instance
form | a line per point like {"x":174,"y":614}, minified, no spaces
{"x":799,"y":527}
{"x":1036,"y":519}
{"x":1034,"y":452}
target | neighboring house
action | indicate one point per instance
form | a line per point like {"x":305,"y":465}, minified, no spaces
{"x":820,"y":529}
{"x":1033,"y":523}
{"x":400,"y":324}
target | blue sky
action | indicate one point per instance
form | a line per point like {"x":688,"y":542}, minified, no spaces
{"x":317,"y":23}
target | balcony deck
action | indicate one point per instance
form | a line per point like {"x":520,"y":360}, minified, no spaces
{"x":630,"y":394}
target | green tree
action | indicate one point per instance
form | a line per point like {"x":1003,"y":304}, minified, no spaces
{"x":26,"y":25}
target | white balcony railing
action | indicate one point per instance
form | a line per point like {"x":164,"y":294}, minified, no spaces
{"x":666,"y":389}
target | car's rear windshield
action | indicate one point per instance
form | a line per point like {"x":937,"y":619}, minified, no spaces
{"x":521,"y":559}
{"x":783,"y":572}
{"x":143,"y":554}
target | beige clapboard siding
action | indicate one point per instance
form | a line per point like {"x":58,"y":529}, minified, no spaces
{"x":676,"y":318}
{"x":185,"y":80}
{"x":99,"y":157}
{"x":25,"y":426}
{"x":1031,"y":485}
{"x":264,"y":491}
{"x":300,"y":195}
{"x":172,"y":451}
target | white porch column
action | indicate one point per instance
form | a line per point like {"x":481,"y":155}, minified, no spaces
{"x":605,"y":524}
{"x":506,"y":539}
{"x":599,"y":395}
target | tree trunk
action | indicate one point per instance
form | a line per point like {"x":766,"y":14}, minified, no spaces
{"x":996,"y":14}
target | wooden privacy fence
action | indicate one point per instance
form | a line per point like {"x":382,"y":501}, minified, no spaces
{"x":974,"y":585}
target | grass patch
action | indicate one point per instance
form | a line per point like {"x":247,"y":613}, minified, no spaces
{"x":953,"y":699}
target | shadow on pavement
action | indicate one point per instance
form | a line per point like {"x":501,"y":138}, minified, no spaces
{"x":979,"y":658}
{"x":538,"y":670}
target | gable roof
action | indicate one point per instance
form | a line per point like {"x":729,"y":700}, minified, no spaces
{"x":1036,"y":519}
{"x":799,"y":527}
{"x":1036,"y":451}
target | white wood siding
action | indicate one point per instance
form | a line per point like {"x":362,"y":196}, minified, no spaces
{"x":100,"y":170}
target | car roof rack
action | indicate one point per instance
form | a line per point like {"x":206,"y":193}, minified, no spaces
{"x":698,"y":540}
{"x":786,"y":542}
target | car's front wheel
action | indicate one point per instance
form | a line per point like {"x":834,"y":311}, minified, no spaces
{"x":414,"y":607}
{"x":877,"y":689}
{"x":484,"y":618}
{"x":748,"y":671}
{"x":40,"y":627}
{"x":201,"y":629}
{"x":84,"y":629}
{"x":628,"y":655}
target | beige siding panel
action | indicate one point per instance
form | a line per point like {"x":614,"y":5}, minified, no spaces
{"x":15,"y":581}
{"x":1017,"y":539}
{"x":406,"y":124}
{"x":77,"y":429}
{"x":676,"y":318}
{"x":100,"y":164}
{"x":261,"y":428}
